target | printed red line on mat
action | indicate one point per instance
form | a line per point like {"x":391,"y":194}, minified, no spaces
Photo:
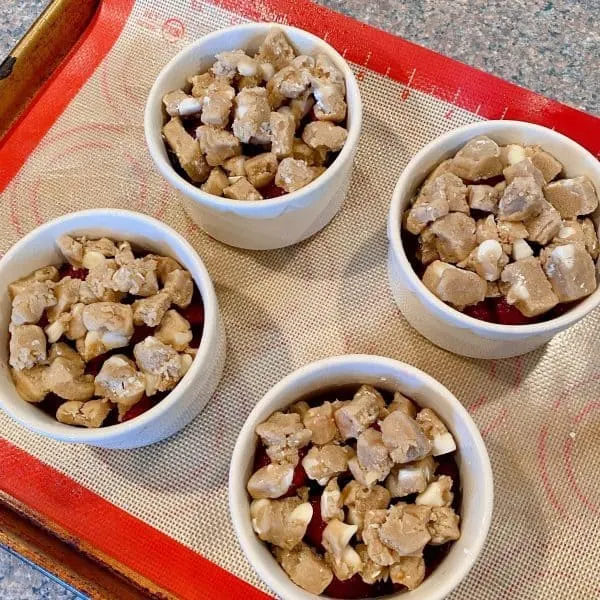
{"x":115,"y":532}
{"x":56,"y":94}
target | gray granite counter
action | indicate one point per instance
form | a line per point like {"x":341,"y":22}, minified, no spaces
{"x":552,"y":47}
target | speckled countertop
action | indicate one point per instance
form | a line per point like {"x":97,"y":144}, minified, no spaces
{"x":550,"y":47}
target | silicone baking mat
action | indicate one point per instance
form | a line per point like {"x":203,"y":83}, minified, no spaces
{"x":162,"y":510}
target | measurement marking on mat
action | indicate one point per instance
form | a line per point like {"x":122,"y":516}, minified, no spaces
{"x":344,"y":52}
{"x":477,"y":109}
{"x":406,"y":91}
{"x":326,"y":36}
{"x":368,"y":58}
{"x":450,"y":113}
{"x":387,"y":72}
{"x":504,"y":113}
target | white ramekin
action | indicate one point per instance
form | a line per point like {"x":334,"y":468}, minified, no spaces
{"x":272,"y":223}
{"x":472,"y":460}
{"x":441,"y":324}
{"x":38,"y":249}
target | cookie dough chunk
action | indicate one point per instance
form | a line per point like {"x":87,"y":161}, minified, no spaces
{"x":478,"y":159}
{"x":484,"y":198}
{"x":571,"y":271}
{"x":283,"y":129}
{"x":109,"y":325}
{"x":179,"y":104}
{"x":522,"y":199}
{"x":443,"y":525}
{"x":324,"y":462}
{"x":65,"y":375}
{"x":330,"y":103}
{"x":359,"y":413}
{"x":89,"y":414}
{"x":293,"y":174}
{"x":426,"y":248}
{"x":442,"y":441}
{"x":161,"y":364}
{"x":29,"y":305}
{"x":524,"y":168}
{"x":454,"y":237}
{"x":572,"y":197}
{"x":283,"y":522}
{"x":218,"y":145}
{"x":486,"y":230}
{"x":260,"y":170}
{"x":545,"y":162}
{"x":290,"y":82}
{"x":283,"y":435}
{"x":217,"y":104}
{"x":150,"y":311}
{"x":241,"y":189}
{"x":320,"y":422}
{"x":272,"y":481}
{"x":323,"y":134}
{"x":215,"y":184}
{"x":452,"y":188}
{"x":49,"y":274}
{"x":121,"y":382}
{"x":252,"y":115}
{"x":31,"y":383}
{"x":410,"y":478}
{"x":372,"y":454}
{"x":186,"y":149}
{"x":525,"y":285}
{"x":426,"y":209}
{"x":276,"y":50}
{"x":453,"y":285}
{"x":360,"y":500}
{"x":403,"y":438}
{"x":543,"y":227}
{"x":174,"y":331}
{"x":409,"y":571}
{"x":27,"y":347}
{"x":487,"y":260}
{"x":405,"y":528}
{"x":343,"y":558}
{"x":305,"y":568}
{"x":180,"y":287}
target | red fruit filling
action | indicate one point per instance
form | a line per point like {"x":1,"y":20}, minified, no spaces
{"x":68,"y":270}
{"x":299,"y":478}
{"x":43,"y":322}
{"x":93,"y":366}
{"x":506,"y":314}
{"x":139,"y":408}
{"x":481,"y":311}
{"x":272,"y":191}
{"x":194,"y":313}
{"x":351,"y":588}
{"x":261,"y":458}
{"x":140,"y":333}
{"x":314,"y":531}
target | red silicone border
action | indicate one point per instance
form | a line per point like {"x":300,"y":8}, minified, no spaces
{"x":132,"y":542}
{"x":56,"y":94}
{"x":116,"y":533}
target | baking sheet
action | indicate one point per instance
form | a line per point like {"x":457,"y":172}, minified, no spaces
{"x":329,"y":295}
